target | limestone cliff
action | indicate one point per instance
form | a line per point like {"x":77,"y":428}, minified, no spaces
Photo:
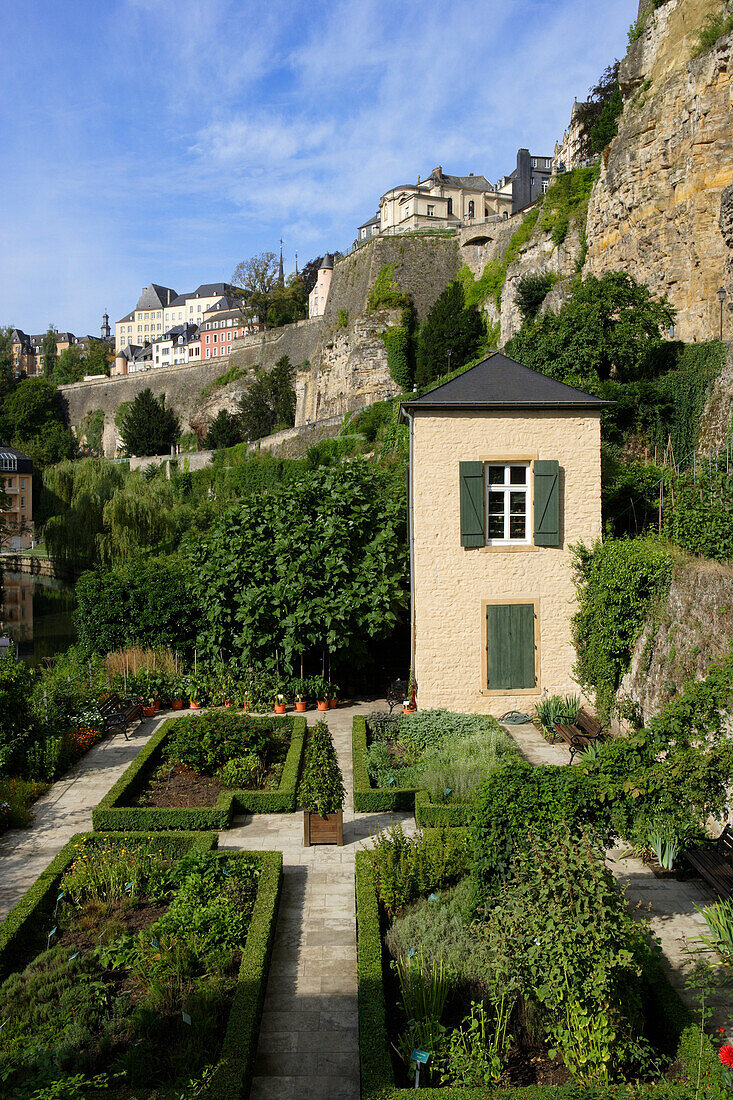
{"x":656,"y":208}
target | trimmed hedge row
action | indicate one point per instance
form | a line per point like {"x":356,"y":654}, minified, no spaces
{"x":234,"y":1070}
{"x":377,"y":1077}
{"x":115,"y":811}
{"x":368,"y":799}
{"x":26,"y":926}
{"x":439,"y":815}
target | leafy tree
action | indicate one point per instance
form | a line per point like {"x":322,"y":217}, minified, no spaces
{"x":98,"y":358}
{"x":531,"y":292}
{"x":318,"y":564}
{"x":148,"y":427}
{"x":609,"y":328}
{"x":450,"y":335}
{"x":70,"y":366}
{"x":225,"y":431}
{"x":32,"y":418}
{"x":16,"y":717}
{"x":7,"y":376}
{"x":254,"y":281}
{"x":73,"y":498}
{"x":599,"y":114}
{"x":143,"y":602}
{"x":49,"y":351}
{"x":309,"y":274}
{"x":288,"y":303}
{"x":269,"y":403}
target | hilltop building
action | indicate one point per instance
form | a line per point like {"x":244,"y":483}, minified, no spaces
{"x":16,"y":478}
{"x":440,"y":200}
{"x":146,"y":319}
{"x":27,"y":350}
{"x":319,"y":295}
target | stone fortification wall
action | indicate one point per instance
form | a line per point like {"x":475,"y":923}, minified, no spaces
{"x":655,"y":210}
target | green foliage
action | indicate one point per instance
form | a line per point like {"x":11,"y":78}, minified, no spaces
{"x":715,"y":26}
{"x":75,"y":494}
{"x":520,"y":237}
{"x":342,"y":318}
{"x":321,"y":787}
{"x":117,"y":811}
{"x":18,"y":725}
{"x":385,"y":294}
{"x":605,"y":127}
{"x":451,"y":334}
{"x":517,"y":800}
{"x":618,"y":583}
{"x":597,"y":115}
{"x":92,"y":427}
{"x":368,"y":799}
{"x":339,"y":532}
{"x":32,"y":418}
{"x":268,"y":404}
{"x":68,"y":367}
{"x":406,"y":868}
{"x":698,"y":514}
{"x":214,"y":739}
{"x":531,"y":292}
{"x":489,"y":285}
{"x":288,"y":303}
{"x":16,"y":799}
{"x":49,"y":356}
{"x":148,"y":427}
{"x":397,"y":342}
{"x":146,"y":602}
{"x":607,"y":329}
{"x":225,"y":431}
{"x":555,"y":706}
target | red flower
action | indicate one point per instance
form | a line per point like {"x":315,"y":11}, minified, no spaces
{"x":726,"y":1056}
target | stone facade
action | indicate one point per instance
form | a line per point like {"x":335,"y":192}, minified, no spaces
{"x":655,"y":209}
{"x":452,"y":583}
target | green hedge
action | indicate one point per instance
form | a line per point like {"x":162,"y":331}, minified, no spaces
{"x":24,"y":930}
{"x":368,"y":799}
{"x":116,"y":811}
{"x":439,"y":815}
{"x":233,"y":1074}
{"x":377,"y":1078}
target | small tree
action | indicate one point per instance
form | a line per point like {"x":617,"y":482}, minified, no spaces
{"x":69,"y":366}
{"x":254,"y":281}
{"x":450,"y":335}
{"x":225,"y":431}
{"x":148,"y":427}
{"x":269,"y":403}
{"x":49,"y":351}
{"x":531,"y":292}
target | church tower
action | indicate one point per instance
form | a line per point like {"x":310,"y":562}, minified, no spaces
{"x":105,"y":326}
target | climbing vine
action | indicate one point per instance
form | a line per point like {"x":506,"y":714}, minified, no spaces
{"x":385,"y":294}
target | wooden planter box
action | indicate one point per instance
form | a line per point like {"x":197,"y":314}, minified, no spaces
{"x":323,"y":830}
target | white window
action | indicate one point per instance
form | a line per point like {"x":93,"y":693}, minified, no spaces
{"x":147,"y":327}
{"x":208,"y":353}
{"x":139,"y":328}
{"x":199,"y":308}
{"x":122,"y":341}
{"x":431,"y":211}
{"x":158,"y":314}
{"x":507,"y":502}
{"x":545,"y":185}
{"x":147,"y":318}
{"x":208,"y":338}
{"x":129,"y":328}
{"x":534,"y":162}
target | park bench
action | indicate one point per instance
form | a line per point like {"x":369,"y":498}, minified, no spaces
{"x":715,"y":864}
{"x":118,"y":714}
{"x":396,"y":694}
{"x":578,"y":732}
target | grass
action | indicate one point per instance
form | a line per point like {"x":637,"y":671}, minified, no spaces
{"x":715,"y":26}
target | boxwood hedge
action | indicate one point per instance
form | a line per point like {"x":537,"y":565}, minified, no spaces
{"x":26,"y":927}
{"x":368,"y":799}
{"x":694,"y":1054}
{"x":439,"y":815}
{"x":116,"y":811}
{"x":23,"y":933}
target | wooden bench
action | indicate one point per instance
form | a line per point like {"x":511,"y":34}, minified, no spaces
{"x":715,"y":864}
{"x":578,"y":732}
{"x":118,"y":714}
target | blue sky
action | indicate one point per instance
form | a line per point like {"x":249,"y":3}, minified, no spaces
{"x":165,"y":140}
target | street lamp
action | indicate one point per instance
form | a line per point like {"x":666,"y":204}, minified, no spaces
{"x":721,"y":299}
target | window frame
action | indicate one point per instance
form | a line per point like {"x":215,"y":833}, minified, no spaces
{"x":506,"y":489}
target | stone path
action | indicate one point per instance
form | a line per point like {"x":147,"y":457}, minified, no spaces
{"x":308,"y":1045}
{"x":65,"y":809}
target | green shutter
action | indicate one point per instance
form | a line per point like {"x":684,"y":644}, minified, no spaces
{"x":546,"y":503}
{"x":510,"y":646}
{"x":472,"y":503}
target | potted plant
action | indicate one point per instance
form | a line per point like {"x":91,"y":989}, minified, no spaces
{"x":332,"y":696}
{"x":409,"y":706}
{"x":299,"y":690}
{"x":319,"y":688}
{"x":280,"y":704}
{"x":321,"y":790}
{"x":179,"y":692}
{"x":197,"y":692}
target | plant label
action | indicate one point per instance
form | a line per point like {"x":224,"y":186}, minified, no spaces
{"x":420,"y":1056}
{"x":186,"y":1018}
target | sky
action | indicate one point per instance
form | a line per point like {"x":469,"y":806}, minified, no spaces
{"x":166,"y":140}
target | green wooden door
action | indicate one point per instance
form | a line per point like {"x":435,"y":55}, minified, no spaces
{"x":510,"y":646}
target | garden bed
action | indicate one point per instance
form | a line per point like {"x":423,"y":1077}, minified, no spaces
{"x":525,"y":1064}
{"x":123,"y":806}
{"x":168,"y":995}
{"x":431,"y":761}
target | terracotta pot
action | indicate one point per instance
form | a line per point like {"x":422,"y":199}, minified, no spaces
{"x":228,"y":703}
{"x":323,"y":830}
{"x":157,"y":705}
{"x":194,"y":704}
{"x":247,"y":706}
{"x":409,"y":710}
{"x":322,"y":704}
{"x":280,"y":708}
{"x":149,"y":712}
{"x":177,"y":704}
{"x":332,"y":704}
{"x":300,"y":706}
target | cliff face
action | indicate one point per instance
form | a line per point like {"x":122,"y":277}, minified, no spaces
{"x":656,"y":208}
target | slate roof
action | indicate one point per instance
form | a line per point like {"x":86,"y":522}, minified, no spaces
{"x":206,"y":290}
{"x":155,"y":297}
{"x":23,"y":464}
{"x":376,"y":220}
{"x":501,"y":382}
{"x":470,"y":183}
{"x":127,"y":317}
{"x":326,"y":263}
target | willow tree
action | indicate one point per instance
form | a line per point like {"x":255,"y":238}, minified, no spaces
{"x":139,"y":518}
{"x":75,"y":493}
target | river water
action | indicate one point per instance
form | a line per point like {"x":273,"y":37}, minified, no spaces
{"x":37,"y":614}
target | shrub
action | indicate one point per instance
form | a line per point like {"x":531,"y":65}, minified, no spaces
{"x":385,"y":294}
{"x":16,"y":798}
{"x":406,"y":868}
{"x":715,"y":26}
{"x":321,"y":787}
{"x":18,"y":727}
{"x":243,"y":771}
{"x":212,"y":740}
{"x":451,"y":335}
{"x":531,"y":292}
{"x":556,"y":706}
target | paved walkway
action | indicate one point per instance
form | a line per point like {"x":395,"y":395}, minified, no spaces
{"x":65,"y":809}
{"x":308,"y":1045}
